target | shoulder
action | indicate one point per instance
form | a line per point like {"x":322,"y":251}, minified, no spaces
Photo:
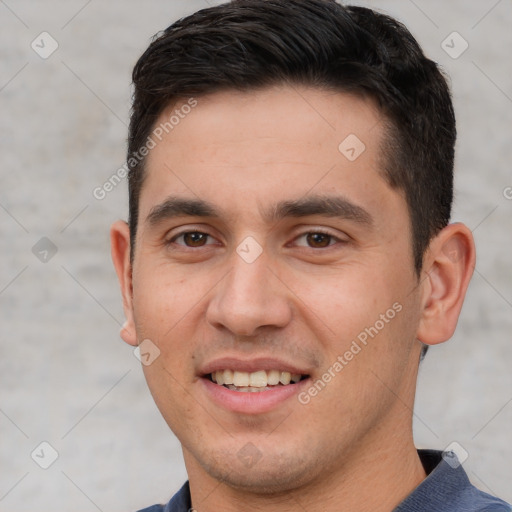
{"x":180,"y":502}
{"x":447,"y":488}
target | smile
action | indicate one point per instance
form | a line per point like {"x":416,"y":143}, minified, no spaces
{"x":254,"y":382}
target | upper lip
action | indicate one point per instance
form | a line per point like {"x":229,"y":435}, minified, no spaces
{"x":251,"y":365}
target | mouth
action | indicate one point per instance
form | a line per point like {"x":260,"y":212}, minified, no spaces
{"x":254,"y":382}
{"x":256,"y":386}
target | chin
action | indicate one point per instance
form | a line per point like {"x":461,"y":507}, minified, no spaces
{"x":263,"y":474}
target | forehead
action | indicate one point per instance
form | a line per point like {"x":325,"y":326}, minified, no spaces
{"x":256,"y":147}
{"x":277,"y":118}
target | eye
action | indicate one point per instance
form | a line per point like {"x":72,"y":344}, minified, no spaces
{"x":191,"y":239}
{"x":318,"y":239}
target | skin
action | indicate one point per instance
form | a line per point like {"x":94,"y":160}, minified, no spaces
{"x":304,"y":299}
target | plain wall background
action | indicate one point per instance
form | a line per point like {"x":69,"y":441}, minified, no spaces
{"x":68,"y":379}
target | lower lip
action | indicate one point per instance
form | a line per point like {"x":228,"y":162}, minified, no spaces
{"x":251,"y":402}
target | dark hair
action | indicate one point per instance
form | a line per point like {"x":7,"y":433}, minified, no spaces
{"x":248,"y":44}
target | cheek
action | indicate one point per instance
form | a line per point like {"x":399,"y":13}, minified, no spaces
{"x":368,"y":317}
{"x":345,"y":302}
{"x":167,"y":386}
{"x":160,"y":299}
{"x":164,"y":314}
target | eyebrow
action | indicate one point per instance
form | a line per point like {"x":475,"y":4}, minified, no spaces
{"x":327,"y":206}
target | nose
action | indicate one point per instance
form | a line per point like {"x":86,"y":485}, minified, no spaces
{"x":248,"y":298}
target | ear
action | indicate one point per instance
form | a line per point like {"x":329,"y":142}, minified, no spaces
{"x":447,"y":270}
{"x":120,"y":249}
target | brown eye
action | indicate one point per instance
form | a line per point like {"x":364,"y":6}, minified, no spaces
{"x":190,"y":239}
{"x":194,"y":238}
{"x":318,"y":240}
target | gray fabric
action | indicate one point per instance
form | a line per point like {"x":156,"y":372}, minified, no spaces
{"x":448,"y":489}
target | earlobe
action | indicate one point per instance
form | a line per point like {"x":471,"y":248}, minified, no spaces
{"x":448,"y":267}
{"x":120,"y":250}
{"x":128,"y":334}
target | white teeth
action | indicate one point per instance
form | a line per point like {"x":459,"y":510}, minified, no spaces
{"x":273,"y":377}
{"x":255,"y":380}
{"x":228,"y":376}
{"x":240,"y":379}
{"x":285,"y":378}
{"x":258,"y":379}
{"x":247,"y":389}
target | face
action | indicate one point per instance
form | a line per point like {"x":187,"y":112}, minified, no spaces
{"x":270,"y":248}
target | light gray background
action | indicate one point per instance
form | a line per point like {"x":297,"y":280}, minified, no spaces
{"x":66,"y":378}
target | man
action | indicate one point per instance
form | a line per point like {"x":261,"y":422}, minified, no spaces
{"x":289,"y":257}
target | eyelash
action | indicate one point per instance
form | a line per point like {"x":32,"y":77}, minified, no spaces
{"x":312,"y":232}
